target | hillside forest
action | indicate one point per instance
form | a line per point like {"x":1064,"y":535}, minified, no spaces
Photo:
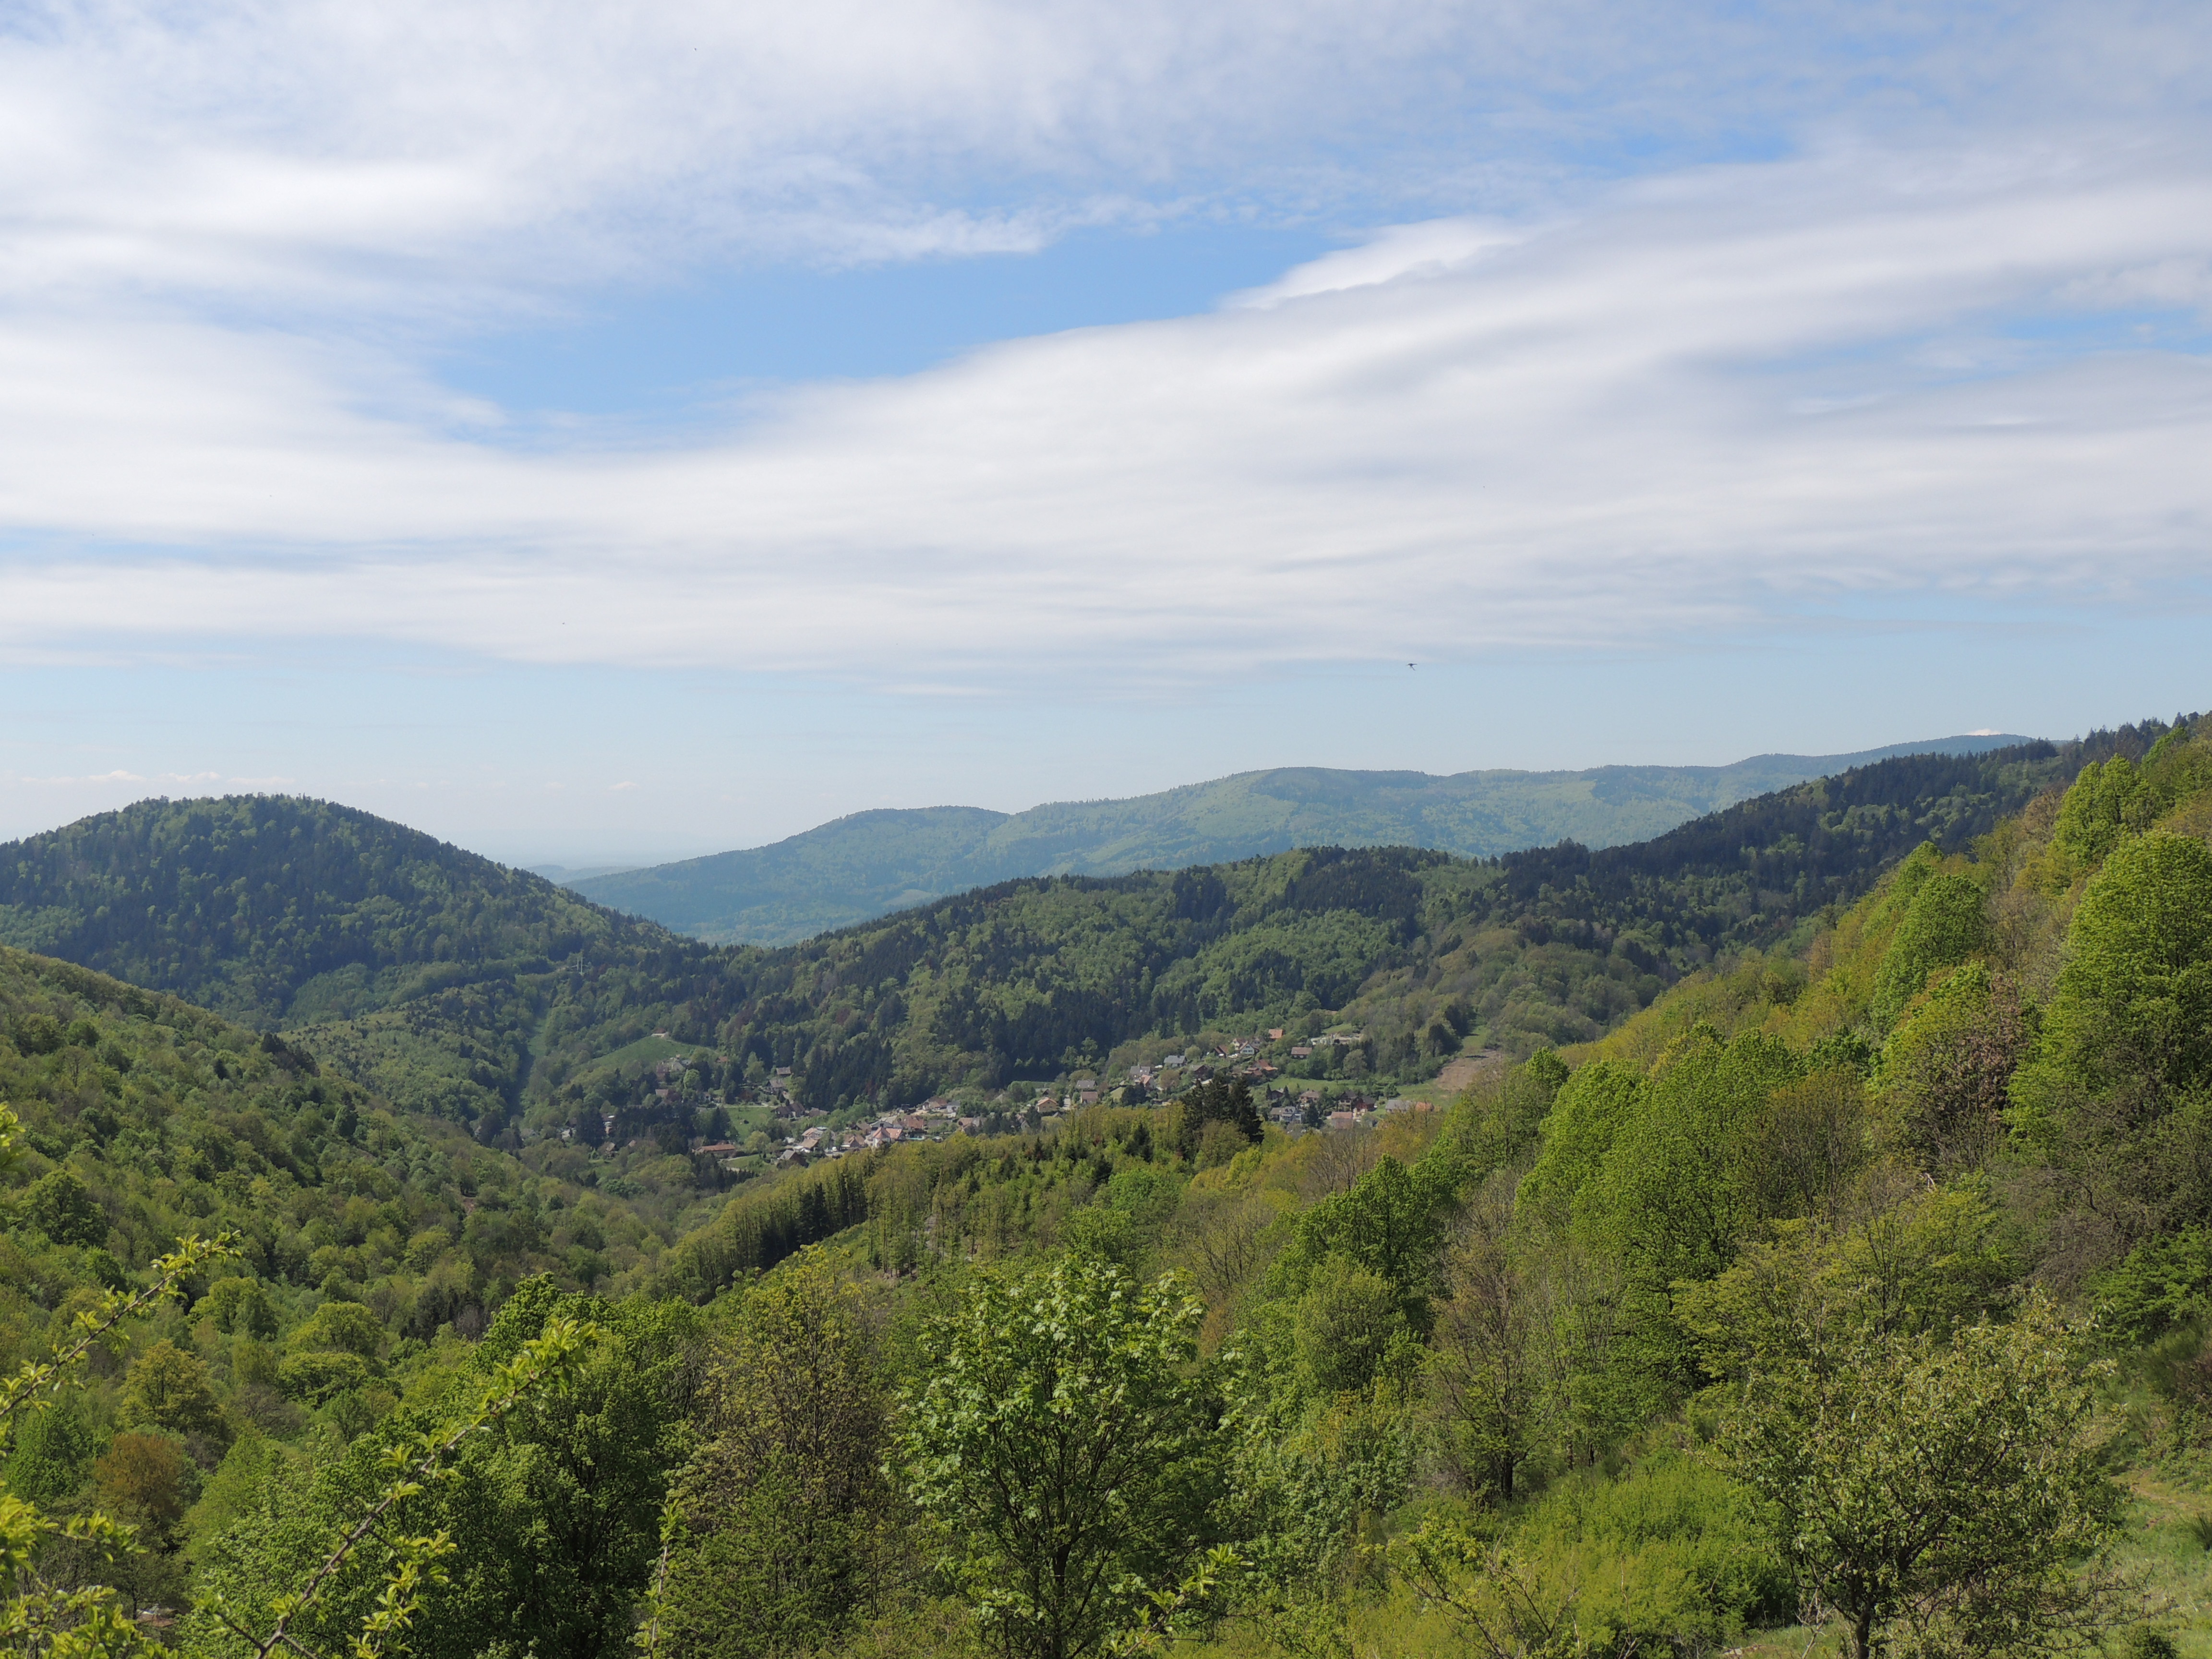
{"x":459,"y":990}
{"x":869,"y":864}
{"x":1839,"y":1280}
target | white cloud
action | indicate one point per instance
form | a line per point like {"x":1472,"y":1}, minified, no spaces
{"x":165,"y":780}
{"x":419,"y":156}
{"x":1628,"y":413}
{"x":1421,"y":250}
{"x":420,"y":152}
{"x":1706,"y":401}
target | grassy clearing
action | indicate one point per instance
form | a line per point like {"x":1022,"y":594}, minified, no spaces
{"x":645,"y":1051}
{"x":2169,"y":1529}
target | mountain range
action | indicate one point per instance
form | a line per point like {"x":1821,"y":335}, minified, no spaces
{"x":871,"y":864}
{"x":1918,"y":1014}
{"x":456,"y":987}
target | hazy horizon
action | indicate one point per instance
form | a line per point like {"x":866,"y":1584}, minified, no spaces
{"x":662,"y":433}
{"x":596,"y":862}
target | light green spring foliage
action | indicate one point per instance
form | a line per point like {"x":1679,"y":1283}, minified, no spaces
{"x":2163,"y":1284}
{"x":549,"y":1506}
{"x":1774,"y":1222}
{"x":1939,"y":1492}
{"x":1306,"y":1475}
{"x":168,"y":1389}
{"x":1807,"y":1294}
{"x":38,"y":1616}
{"x":961,"y":1409}
{"x":2104,"y":803}
{"x":1349,"y":1324}
{"x":53,"y":1454}
{"x":366,"y":1573}
{"x":784,"y":1525}
{"x":1387,"y":1225}
{"x":1501,"y":1129}
{"x":2134,"y":1002}
{"x":1674,"y":1557}
{"x":1670,"y":1198}
{"x":1062,"y":1449}
{"x":2107,"y":803}
{"x":240,"y":1306}
{"x":59,"y":1207}
{"x":1945,"y":925}
{"x":1587,"y":1113}
{"x":145,"y":1119}
{"x":45,"y":1618}
{"x":1944,"y":1074}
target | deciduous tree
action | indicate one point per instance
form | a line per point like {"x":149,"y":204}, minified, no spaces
{"x":168,"y":1389}
{"x":2133,"y":1011}
{"x":59,"y":1207}
{"x":1940,"y":1493}
{"x":786,"y":1532}
{"x":1063,"y":1450}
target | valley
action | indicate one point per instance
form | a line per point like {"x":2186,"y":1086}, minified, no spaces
{"x":1459,"y":1242}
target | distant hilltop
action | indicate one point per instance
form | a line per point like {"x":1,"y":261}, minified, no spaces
{"x":869,"y":864}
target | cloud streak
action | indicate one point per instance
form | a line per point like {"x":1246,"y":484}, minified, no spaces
{"x":1630,"y":401}
{"x":1702,"y":402}
{"x":425,"y":157}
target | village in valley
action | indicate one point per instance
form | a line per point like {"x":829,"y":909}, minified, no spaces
{"x":739,"y":1124}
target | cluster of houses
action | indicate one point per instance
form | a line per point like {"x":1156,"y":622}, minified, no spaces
{"x":1243,"y":1059}
{"x":1297,"y":1115}
{"x":933,"y":1120}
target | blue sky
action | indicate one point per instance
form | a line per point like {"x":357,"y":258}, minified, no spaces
{"x":667,"y":431}
{"x":670,"y":355}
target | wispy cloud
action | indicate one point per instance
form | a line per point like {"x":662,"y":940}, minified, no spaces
{"x":1646,"y":393}
{"x":417,"y":154}
{"x":1692,"y":404}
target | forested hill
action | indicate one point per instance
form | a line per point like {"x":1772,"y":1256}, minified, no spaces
{"x":275,"y":911}
{"x":144,"y":1118}
{"x":869,"y":864}
{"x":1423,"y":951}
{"x":428,"y":973}
{"x":462,"y":989}
{"x":1748,"y":875}
{"x":1576,"y":1362}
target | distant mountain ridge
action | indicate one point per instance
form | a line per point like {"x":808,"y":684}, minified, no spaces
{"x":460,"y":989}
{"x":869,"y":864}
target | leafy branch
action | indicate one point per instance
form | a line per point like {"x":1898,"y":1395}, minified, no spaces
{"x":412,"y":1467}
{"x":1170,"y":1610}
{"x":647,"y":1639}
{"x":95,"y":1325}
{"x":1487,"y":1590}
{"x":85,"y":1623}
